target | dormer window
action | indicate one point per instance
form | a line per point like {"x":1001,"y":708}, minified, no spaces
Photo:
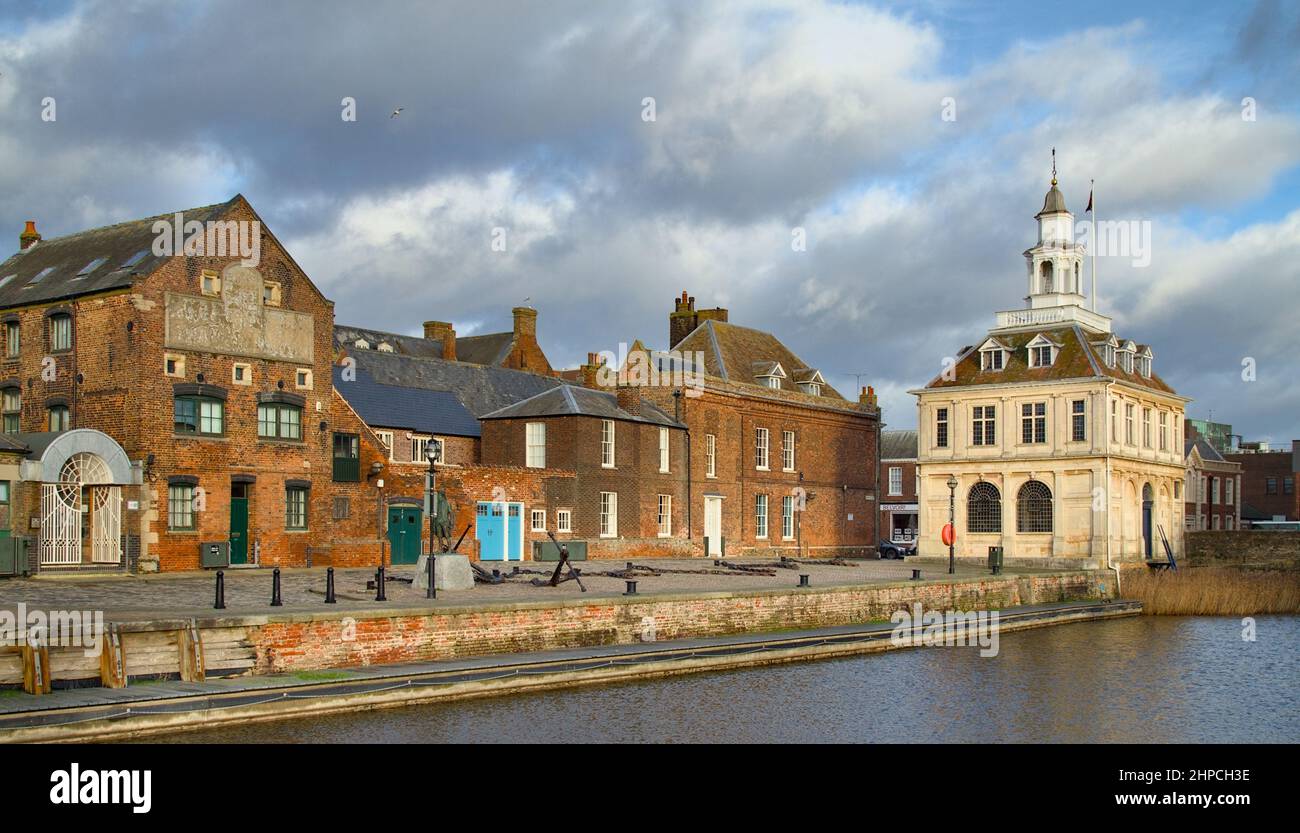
{"x":1042,"y":351}
{"x":1108,"y":350}
{"x":810,"y":381}
{"x":1144,"y":362}
{"x":769,"y":374}
{"x":384,"y":347}
{"x":811,"y":388}
{"x":361,"y":344}
{"x":993,"y":355}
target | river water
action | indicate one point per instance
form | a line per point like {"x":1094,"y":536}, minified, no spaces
{"x":1143,"y":679}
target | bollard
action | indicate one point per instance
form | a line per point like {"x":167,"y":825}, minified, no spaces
{"x":496,"y":574}
{"x":916,"y":575}
{"x":631,"y":589}
{"x":221,"y":591}
{"x":629,"y":565}
{"x":379,"y":585}
{"x":803,"y":580}
{"x":275,"y":588}
{"x":515,"y":571}
{"x":431,"y":592}
{"x":329,"y":587}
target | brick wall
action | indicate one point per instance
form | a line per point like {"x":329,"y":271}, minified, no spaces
{"x":1251,"y":547}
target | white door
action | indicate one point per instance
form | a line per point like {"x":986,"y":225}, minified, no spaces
{"x":713,"y":524}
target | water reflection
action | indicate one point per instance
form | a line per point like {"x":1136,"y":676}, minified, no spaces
{"x":1144,"y":679}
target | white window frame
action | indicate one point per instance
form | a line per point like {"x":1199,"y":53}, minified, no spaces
{"x":663,"y":450}
{"x":607,"y":443}
{"x":760,"y":517}
{"x":532,"y":520}
{"x":386,"y":440}
{"x":1227,"y":490}
{"x":609,"y":514}
{"x":895,"y":480}
{"x":303,"y":378}
{"x":422,"y":441}
{"x":787,"y":451}
{"x":787,"y":518}
{"x":762,"y":443}
{"x":535,"y":445}
{"x":248,"y":374}
{"x":665,"y":516}
{"x":710,"y":455}
{"x":564,"y":520}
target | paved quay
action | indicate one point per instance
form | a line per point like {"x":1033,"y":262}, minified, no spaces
{"x":248,"y":591}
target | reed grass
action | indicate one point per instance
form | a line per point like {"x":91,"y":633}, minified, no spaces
{"x":1213,"y":591}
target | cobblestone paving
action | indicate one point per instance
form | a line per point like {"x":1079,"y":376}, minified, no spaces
{"x":248,"y":591}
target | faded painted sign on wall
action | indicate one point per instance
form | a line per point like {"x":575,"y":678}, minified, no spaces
{"x":238,"y":323}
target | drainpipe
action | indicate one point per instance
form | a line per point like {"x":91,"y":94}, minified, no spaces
{"x":677,"y":414}
{"x":1106,"y":415}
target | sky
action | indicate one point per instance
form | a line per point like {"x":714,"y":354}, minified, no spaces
{"x":909,"y":146}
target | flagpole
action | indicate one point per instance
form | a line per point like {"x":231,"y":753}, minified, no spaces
{"x":1092,"y":198}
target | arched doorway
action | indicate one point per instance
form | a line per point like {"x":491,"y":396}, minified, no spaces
{"x":82,"y":473}
{"x":1147,"y":522}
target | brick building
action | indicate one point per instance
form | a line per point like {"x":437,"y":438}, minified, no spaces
{"x":779,"y":461}
{"x":1268,"y":480}
{"x":1213,"y":489}
{"x":899,"y":509}
{"x":169,"y":397}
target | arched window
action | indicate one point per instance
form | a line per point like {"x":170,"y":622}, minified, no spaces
{"x":1047,"y":275}
{"x":1034,"y":508}
{"x":984,"y":508}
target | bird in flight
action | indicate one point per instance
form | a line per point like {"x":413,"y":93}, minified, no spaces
{"x":397,"y":112}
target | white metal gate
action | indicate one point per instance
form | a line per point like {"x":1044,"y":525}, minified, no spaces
{"x":62,"y":511}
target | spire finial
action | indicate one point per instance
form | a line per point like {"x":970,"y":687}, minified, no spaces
{"x":1053,"y":166}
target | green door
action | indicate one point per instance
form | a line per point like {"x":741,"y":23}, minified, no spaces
{"x":404,"y":526}
{"x":238,"y":525}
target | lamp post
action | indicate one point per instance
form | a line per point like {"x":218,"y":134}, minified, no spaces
{"x":432,"y":453}
{"x":952,"y":523}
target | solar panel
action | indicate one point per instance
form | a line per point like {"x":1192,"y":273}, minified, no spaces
{"x":92,"y":266}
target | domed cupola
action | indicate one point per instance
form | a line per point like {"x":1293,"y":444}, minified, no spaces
{"x":1053,"y":203}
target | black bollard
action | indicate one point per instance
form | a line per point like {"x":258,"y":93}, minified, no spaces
{"x":221,"y":591}
{"x":631,"y":589}
{"x":329,"y":587}
{"x":432,"y":591}
{"x":916,"y":575}
{"x":629,"y":565}
{"x":275,"y":588}
{"x":379,"y":585}
{"x":496,"y":574}
{"x":803,"y":580}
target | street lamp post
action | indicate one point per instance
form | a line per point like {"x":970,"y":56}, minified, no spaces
{"x":433,"y":453}
{"x":952,"y":523}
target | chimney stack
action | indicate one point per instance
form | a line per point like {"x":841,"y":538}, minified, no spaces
{"x":30,"y":237}
{"x":525,"y":323}
{"x":629,"y":399}
{"x":590,"y":370}
{"x":444,"y":332}
{"x":867,"y":397}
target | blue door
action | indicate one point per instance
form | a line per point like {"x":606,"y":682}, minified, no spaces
{"x":490,"y":531}
{"x":514,"y":531}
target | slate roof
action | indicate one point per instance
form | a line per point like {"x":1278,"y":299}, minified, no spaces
{"x":66,"y":256}
{"x":742,"y":354}
{"x":1208,"y":452}
{"x":1078,"y":358}
{"x":491,"y":349}
{"x":11,"y":442}
{"x":416,"y":409}
{"x":898,"y":445}
{"x":572,"y":400}
{"x":479,"y":389}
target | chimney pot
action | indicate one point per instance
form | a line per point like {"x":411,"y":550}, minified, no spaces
{"x":30,"y":236}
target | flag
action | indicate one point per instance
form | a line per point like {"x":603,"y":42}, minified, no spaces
{"x":1089,"y":208}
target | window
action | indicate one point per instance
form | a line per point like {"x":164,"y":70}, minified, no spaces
{"x":710,"y":455}
{"x":1040,"y":356}
{"x":607,"y":443}
{"x":1078,"y":421}
{"x":1114,"y":421}
{"x":134,"y":259}
{"x":895,"y":480}
{"x":4,"y":493}
{"x":1164,"y":431}
{"x":271,"y":294}
{"x":386,"y":440}
{"x":1270,"y":483}
{"x":984,"y":508}
{"x":279,"y":421}
{"x":241,"y":374}
{"x":1227,"y":522}
{"x":787,"y":451}
{"x":342,"y":508}
{"x":991,"y":360}
{"x":199,"y":415}
{"x":1216,"y":521}
{"x":1288,"y":485}
{"x":13,"y":339}
{"x":173,"y":365}
{"x":563,"y":520}
{"x":538,"y":518}
{"x":59,"y":418}
{"x":209,"y":282}
{"x":760,"y":448}
{"x":983,"y":421}
{"x":663,"y":449}
{"x":1128,"y":423}
{"x":665,"y":516}
{"x":180,"y":507}
{"x":1146,"y":427}
{"x":774,"y":382}
{"x":608,"y":514}
{"x":535,"y":445}
{"x":420,"y":449}
{"x":347,"y":458}
{"x":1034,"y":508}
{"x":60,"y":333}
{"x":811,"y":388}
{"x":1033,"y":422}
{"x":1214,"y":490}
{"x":12,"y":409}
{"x":1227,"y":491}
{"x":760,"y":516}
{"x":941,"y":427}
{"x":295,"y":507}
{"x":302,"y":379}
{"x":787,"y":517}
